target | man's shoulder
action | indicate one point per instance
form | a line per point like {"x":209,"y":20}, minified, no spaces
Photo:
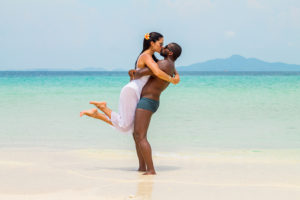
{"x":166,"y":66}
{"x":165,"y":63}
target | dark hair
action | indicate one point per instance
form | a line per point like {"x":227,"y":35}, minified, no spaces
{"x":176,"y":49}
{"x":154,"y":36}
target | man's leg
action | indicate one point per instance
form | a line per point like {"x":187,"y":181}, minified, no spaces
{"x":141,"y":124}
{"x":142,"y":164}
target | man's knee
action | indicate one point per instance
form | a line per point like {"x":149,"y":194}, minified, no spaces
{"x":138,"y":137}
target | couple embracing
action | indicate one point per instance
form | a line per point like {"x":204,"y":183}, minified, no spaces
{"x":139,"y":99}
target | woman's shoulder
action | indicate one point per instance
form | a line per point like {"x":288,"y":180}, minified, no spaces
{"x":145,"y":56}
{"x":143,"y":59}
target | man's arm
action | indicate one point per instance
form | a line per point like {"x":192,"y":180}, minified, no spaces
{"x":142,"y":72}
{"x":136,"y":74}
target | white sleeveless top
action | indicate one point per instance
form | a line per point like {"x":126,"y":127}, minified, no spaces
{"x":138,"y":84}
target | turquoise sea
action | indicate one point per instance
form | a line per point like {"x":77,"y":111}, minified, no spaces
{"x":206,"y":110}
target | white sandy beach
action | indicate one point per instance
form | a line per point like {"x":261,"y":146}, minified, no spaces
{"x":36,"y":173}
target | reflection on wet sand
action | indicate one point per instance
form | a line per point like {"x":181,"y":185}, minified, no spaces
{"x":144,"y":187}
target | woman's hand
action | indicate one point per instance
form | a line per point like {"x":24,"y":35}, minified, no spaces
{"x":176,"y":79}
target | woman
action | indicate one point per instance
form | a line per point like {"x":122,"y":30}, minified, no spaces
{"x":130,"y":93}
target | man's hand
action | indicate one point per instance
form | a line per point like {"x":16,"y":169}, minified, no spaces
{"x":131,"y":73}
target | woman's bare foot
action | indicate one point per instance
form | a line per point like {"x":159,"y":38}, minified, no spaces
{"x":150,"y":173}
{"x":95,"y":114}
{"x":91,"y":112}
{"x":102,"y":106}
{"x":99,"y":104}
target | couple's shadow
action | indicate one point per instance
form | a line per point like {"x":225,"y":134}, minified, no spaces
{"x":157,"y":168}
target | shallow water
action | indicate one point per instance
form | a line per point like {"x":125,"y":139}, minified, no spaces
{"x":231,"y":110}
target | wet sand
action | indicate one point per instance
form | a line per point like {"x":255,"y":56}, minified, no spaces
{"x":40,"y":173}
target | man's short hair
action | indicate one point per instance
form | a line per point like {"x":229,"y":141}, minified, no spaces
{"x":176,"y":49}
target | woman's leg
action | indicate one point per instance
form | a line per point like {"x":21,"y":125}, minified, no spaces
{"x":95,"y":114}
{"x":102,"y":106}
{"x":123,"y":120}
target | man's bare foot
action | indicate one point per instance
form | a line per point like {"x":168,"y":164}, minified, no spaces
{"x":142,"y":169}
{"x":99,"y":104}
{"x":150,"y":173}
{"x":91,"y":112}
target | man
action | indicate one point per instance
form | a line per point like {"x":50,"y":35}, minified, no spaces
{"x":149,"y":103}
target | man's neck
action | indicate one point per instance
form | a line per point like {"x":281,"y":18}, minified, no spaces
{"x":169,"y":59}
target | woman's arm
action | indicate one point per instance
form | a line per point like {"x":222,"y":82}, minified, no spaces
{"x":175,"y":71}
{"x":176,"y":77}
{"x":153,"y":66}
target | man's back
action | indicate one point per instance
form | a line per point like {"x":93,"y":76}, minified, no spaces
{"x":155,"y":86}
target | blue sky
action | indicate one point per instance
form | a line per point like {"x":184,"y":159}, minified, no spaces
{"x":94,"y":33}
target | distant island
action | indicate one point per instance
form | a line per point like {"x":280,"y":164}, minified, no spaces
{"x":235,"y":63}
{"x":239,"y":63}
